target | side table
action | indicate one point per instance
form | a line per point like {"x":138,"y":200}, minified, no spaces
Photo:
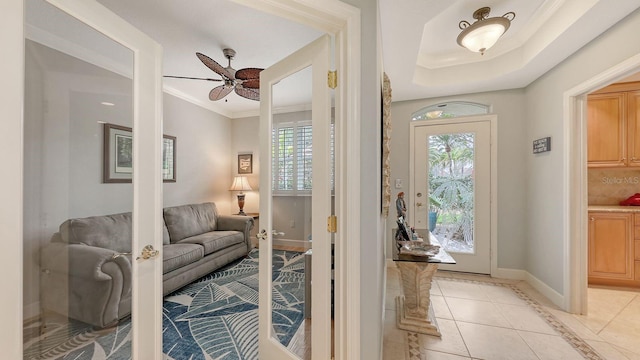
{"x":414,"y":310}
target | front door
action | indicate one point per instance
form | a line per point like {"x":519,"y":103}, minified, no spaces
{"x":83,"y":66}
{"x":452,"y":189}
{"x":295,"y":201}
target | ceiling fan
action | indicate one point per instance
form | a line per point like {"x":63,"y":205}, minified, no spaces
{"x":245,"y":82}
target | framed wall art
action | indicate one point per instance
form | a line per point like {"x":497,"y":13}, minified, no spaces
{"x":245,"y":163}
{"x":117,"y":155}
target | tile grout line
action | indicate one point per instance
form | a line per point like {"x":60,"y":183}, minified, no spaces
{"x":567,"y":334}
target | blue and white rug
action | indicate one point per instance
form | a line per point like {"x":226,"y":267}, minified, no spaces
{"x":215,"y":317}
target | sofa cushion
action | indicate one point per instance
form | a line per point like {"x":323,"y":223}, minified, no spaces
{"x":215,"y":240}
{"x":108,"y":231}
{"x":175,"y":256}
{"x":189,"y":220}
{"x":166,"y":240}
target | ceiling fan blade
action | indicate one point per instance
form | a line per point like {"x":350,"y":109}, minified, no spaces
{"x":213,"y":65}
{"x":251,"y":84}
{"x":191,"y":78}
{"x":219,"y":92}
{"x":251,"y":94}
{"x":248,"y":73}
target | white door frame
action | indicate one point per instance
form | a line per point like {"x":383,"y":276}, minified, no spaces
{"x":343,"y":22}
{"x":493,"y":119}
{"x":575,"y":201}
{"x":11,"y":101}
{"x":315,"y":55}
{"x":332,"y":16}
{"x":147,"y":121}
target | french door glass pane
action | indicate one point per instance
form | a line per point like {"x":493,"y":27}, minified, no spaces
{"x":291,"y":223}
{"x":76,"y":82}
{"x":451,"y":190}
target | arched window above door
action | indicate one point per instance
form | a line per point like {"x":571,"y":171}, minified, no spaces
{"x":450,"y":109}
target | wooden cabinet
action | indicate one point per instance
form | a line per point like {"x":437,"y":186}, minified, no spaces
{"x":612,"y":242}
{"x":613,"y":126}
{"x":606,"y":130}
{"x":633,"y":126}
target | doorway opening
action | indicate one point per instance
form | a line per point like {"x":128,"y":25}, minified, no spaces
{"x":576,"y":207}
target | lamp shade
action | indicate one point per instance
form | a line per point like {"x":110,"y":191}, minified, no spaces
{"x":485,"y":32}
{"x":240,"y":183}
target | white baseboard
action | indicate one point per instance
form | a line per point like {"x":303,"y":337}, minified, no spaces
{"x":291,"y":242}
{"x":31,"y":310}
{"x":512,"y":274}
{"x":546,"y":290}
{"x":541,"y":287}
{"x":305,"y":244}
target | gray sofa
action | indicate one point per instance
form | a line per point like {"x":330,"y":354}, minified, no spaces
{"x":86,"y":268}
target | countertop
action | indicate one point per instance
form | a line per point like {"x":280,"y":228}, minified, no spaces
{"x":614,"y":208}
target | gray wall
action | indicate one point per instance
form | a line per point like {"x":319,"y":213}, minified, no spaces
{"x":544,"y":108}
{"x":63,"y":151}
{"x":509,"y":106}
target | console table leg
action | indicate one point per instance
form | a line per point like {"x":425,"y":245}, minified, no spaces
{"x":414,"y":307}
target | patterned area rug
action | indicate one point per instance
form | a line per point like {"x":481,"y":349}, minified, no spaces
{"x":215,"y":317}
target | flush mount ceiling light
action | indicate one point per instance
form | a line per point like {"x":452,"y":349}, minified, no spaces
{"x":485,"y":32}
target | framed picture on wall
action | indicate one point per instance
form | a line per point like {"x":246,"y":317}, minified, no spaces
{"x":245,"y":163}
{"x":117,"y":155}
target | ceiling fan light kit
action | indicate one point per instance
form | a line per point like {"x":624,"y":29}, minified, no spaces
{"x":485,"y":32}
{"x":245,"y":82}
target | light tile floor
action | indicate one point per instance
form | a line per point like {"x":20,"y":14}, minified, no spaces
{"x":485,"y":318}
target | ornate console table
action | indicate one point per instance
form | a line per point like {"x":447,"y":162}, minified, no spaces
{"x":414,"y":306}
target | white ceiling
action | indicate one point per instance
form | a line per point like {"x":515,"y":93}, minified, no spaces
{"x":420,"y":52}
{"x":423,"y":59}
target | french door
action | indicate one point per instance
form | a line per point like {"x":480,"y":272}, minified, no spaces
{"x":452,"y":189}
{"x":296,"y":170}
{"x":54,"y":97}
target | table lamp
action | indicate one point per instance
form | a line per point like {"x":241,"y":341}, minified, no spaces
{"x":241,"y":184}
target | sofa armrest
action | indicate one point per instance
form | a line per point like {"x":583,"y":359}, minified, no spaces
{"x":88,"y":262}
{"x":244,"y":224}
{"x":87,"y":283}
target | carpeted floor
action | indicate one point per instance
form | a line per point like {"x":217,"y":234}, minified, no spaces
{"x":215,"y":317}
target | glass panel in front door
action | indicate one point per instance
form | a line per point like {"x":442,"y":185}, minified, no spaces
{"x":77,"y":286}
{"x":451,"y":190}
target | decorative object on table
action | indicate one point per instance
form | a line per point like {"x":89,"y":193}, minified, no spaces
{"x":117,"y":159}
{"x":241,"y":184}
{"x":417,"y":248}
{"x":405,"y":233}
{"x":484,"y":32}
{"x":401,"y":205}
{"x":245,"y":163}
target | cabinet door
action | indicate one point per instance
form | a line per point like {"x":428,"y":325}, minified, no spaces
{"x":610,"y":247}
{"x":606,"y":130}
{"x":633,"y":119}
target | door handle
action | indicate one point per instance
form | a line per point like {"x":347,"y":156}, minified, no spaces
{"x":148,"y":253}
{"x":419,"y":204}
{"x":262,"y":235}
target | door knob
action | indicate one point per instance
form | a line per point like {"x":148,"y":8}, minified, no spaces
{"x":148,"y":253}
{"x":419,"y":204}
{"x":262,"y":235}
